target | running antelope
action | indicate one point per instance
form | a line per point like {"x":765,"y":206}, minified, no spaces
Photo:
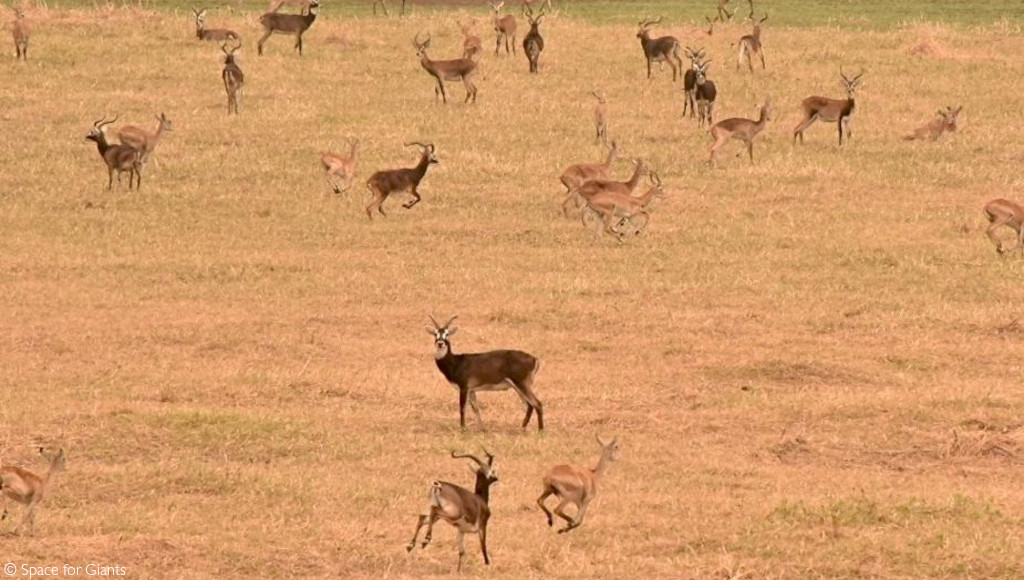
{"x":740,"y":129}
{"x":143,"y":141}
{"x":19,"y":30}
{"x":504,"y":27}
{"x":340,"y":166}
{"x":830,"y":110}
{"x":119,"y":158}
{"x":581,"y":193}
{"x":619,"y":208}
{"x":1003,"y":212}
{"x":446,"y":70}
{"x":471,"y":45}
{"x":494,"y":370}
{"x":750,"y":46}
{"x":935,"y":129}
{"x":294,"y":24}
{"x":576,"y":485}
{"x":467,"y":511}
{"x":391,"y":181}
{"x":601,"y":117}
{"x":533,"y":42}
{"x":705,"y":93}
{"x":580,"y":173}
{"x":28,"y":488}
{"x":690,"y":80}
{"x":233,"y":78}
{"x":662,"y":49}
{"x":218,"y":34}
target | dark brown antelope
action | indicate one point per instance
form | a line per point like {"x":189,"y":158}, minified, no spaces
{"x":495,"y":370}
{"x":663,"y":49}
{"x":391,"y":181}
{"x":935,"y":129}
{"x":446,"y":70}
{"x":740,"y":129}
{"x":19,"y":30}
{"x":340,"y":166}
{"x":601,"y":117}
{"x":589,"y":188}
{"x":471,"y":44}
{"x":580,"y":173}
{"x":233,"y":78}
{"x":28,"y":488}
{"x":750,"y":46}
{"x":218,"y":34}
{"x":467,"y":511}
{"x":119,"y":158}
{"x":1003,"y":212}
{"x":690,"y":80}
{"x":533,"y":43}
{"x":294,"y":24}
{"x":616,"y":209}
{"x":143,"y":141}
{"x":576,"y":485}
{"x":830,"y":110}
{"x":705,"y":93}
{"x":504,"y":27}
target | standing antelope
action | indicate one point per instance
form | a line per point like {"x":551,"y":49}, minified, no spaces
{"x":533,"y":43}
{"x":218,"y":34}
{"x":233,"y":77}
{"x":662,"y":49}
{"x":612,"y":205}
{"x":576,"y":485}
{"x":471,"y":45}
{"x":119,"y":158}
{"x":830,"y":110}
{"x":723,"y":11}
{"x":384,"y":183}
{"x":690,"y":80}
{"x":504,"y":27}
{"x":19,"y":30}
{"x":580,"y":173}
{"x":384,"y":5}
{"x":705,"y":93}
{"x":340,"y":166}
{"x":601,"y":117}
{"x":1003,"y":212}
{"x":935,"y":129}
{"x":446,"y":70}
{"x":591,"y":187}
{"x":143,"y":141}
{"x":741,"y":129}
{"x":750,"y":45}
{"x":494,"y":370}
{"x":295,"y":24}
{"x":28,"y":488}
{"x":466,"y":511}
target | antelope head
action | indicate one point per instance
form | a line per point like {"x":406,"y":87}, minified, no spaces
{"x":483,"y":468}
{"x":427,"y":150}
{"x":609,"y":449}
{"x":758,"y":23}
{"x":441,"y":334}
{"x":528,"y":12}
{"x":229,"y":55}
{"x":949,"y":117}
{"x":645,"y":27}
{"x":96,"y":133}
{"x":421,"y":47}
{"x":702,"y":71}
{"x":695,"y":56}
{"x":851,"y":85}
{"x":599,"y":96}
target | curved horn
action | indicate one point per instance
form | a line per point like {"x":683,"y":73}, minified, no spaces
{"x":490,"y":456}
{"x":450,"y":321}
{"x":842,"y":74}
{"x":470,"y":456}
{"x":600,"y":441}
{"x":96,"y":124}
{"x":105,"y":123}
{"x":416,"y":143}
{"x":434,"y":320}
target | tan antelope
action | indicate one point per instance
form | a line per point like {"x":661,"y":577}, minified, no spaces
{"x":1003,"y":212}
{"x":340,"y":166}
{"x":28,"y":488}
{"x":584,"y":191}
{"x":740,"y":129}
{"x":384,"y":6}
{"x":276,"y":5}
{"x":19,"y":31}
{"x":533,"y":42}
{"x":576,"y":485}
{"x":662,"y":49}
{"x":619,"y":208}
{"x":471,"y":44}
{"x":580,"y":173}
{"x":601,"y":117}
{"x":750,"y":46}
{"x":935,"y":129}
{"x":233,"y":78}
{"x":446,"y":70}
{"x":217,"y":34}
{"x":119,"y":158}
{"x":143,"y":141}
{"x":830,"y":110}
{"x":384,"y":183}
{"x":467,"y":511}
{"x":294,"y":24}
{"x":504,"y":27}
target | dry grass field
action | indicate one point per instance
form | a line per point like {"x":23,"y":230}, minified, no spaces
{"x":813,"y":363}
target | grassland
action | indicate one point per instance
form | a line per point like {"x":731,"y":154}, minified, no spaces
{"x":812,"y":362}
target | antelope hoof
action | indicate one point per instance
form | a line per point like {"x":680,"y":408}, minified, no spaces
{"x":410,"y":547}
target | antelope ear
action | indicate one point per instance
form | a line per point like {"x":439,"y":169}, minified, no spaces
{"x":453,"y":330}
{"x":430,"y":331}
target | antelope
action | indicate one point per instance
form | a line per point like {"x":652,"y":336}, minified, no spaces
{"x":340,"y":166}
{"x":218,"y":34}
{"x":723,"y":11}
{"x":533,"y":43}
{"x":384,"y":5}
{"x":690,"y":80}
{"x":580,"y":173}
{"x":28,"y":488}
{"x":233,"y":78}
{"x":935,"y":129}
{"x":613,"y":205}
{"x":741,"y":129}
{"x":504,"y":27}
{"x":446,"y":70}
{"x":466,"y":511}
{"x":750,"y":45}
{"x":830,"y":110}
{"x":143,"y":141}
{"x":494,"y":370}
{"x":711,"y":26}
{"x":384,"y":183}
{"x":120,"y":158}
{"x":297,"y":24}
{"x":592,"y":187}
{"x":576,"y":485}
{"x":663,"y":49}
{"x":1003,"y":212}
{"x":276,"y":5}
{"x":601,"y":118}
{"x":705,"y":93}
{"x":20,"y":33}
{"x":471,"y":45}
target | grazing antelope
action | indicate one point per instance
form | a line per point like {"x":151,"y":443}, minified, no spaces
{"x":295,"y":24}
{"x":387,"y":182}
{"x":340,"y":166}
{"x":143,"y":141}
{"x":1003,"y":212}
{"x":466,"y":511}
{"x":494,"y":370}
{"x":935,"y":129}
{"x":471,"y":44}
{"x":601,"y":117}
{"x":504,"y":27}
{"x":119,"y":158}
{"x":662,"y":49}
{"x":233,"y":77}
{"x":690,"y":80}
{"x":384,"y":5}
{"x":446,"y":70}
{"x":576,"y":485}
{"x":28,"y":488}
{"x":533,"y":43}
{"x":750,"y":46}
{"x":830,"y":110}
{"x":705,"y":93}
{"x":614,"y":207}
{"x":592,"y":187}
{"x":741,"y":129}
{"x":218,"y":34}
{"x":19,"y":31}
{"x":580,"y":173}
